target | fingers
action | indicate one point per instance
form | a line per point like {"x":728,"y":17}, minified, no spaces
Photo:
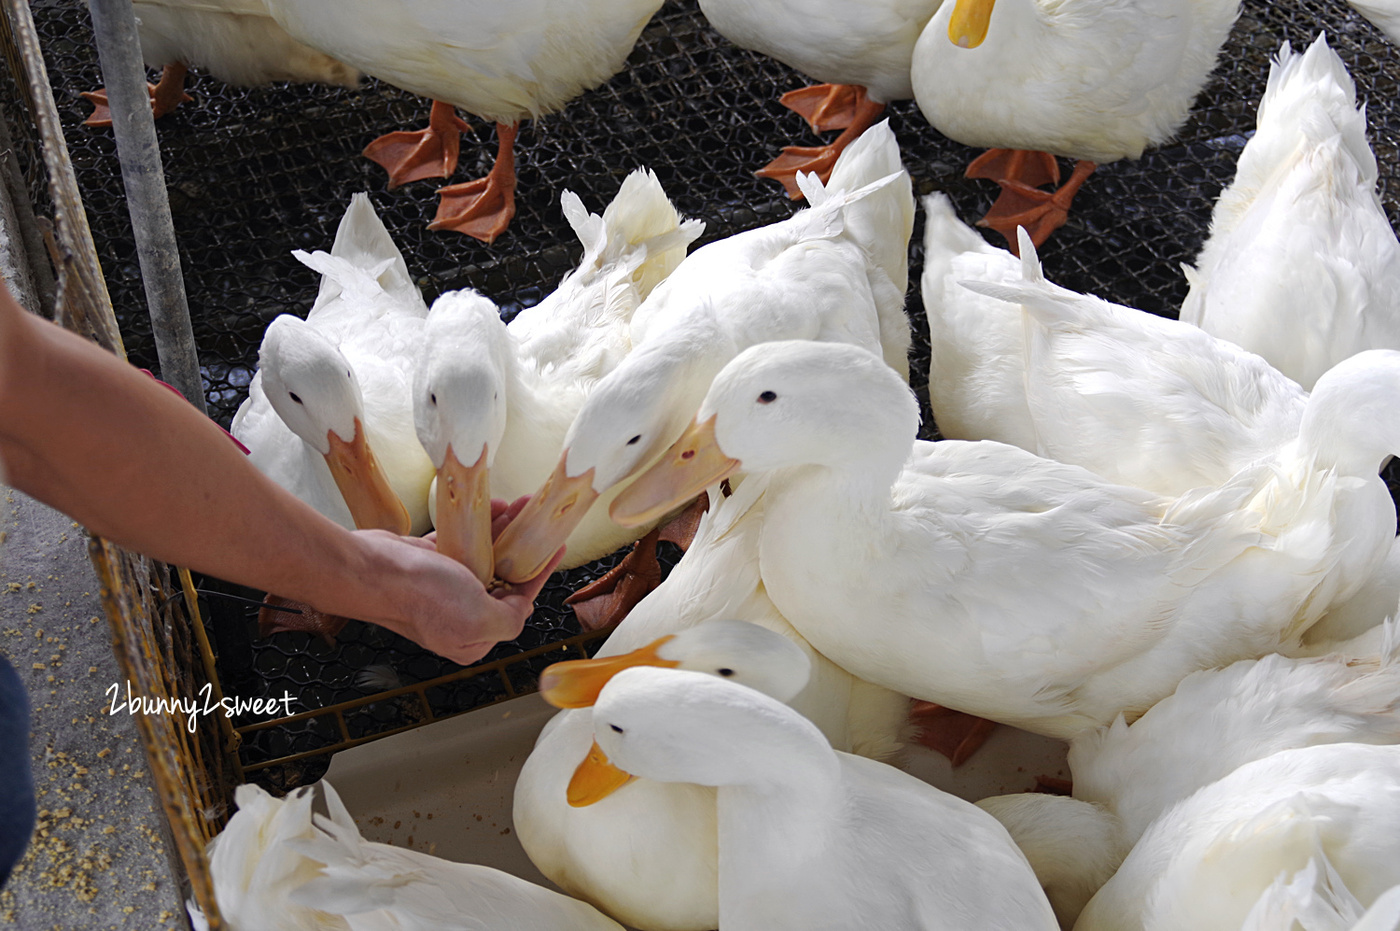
{"x":428,"y":542}
{"x":525,"y":593}
{"x":501,"y":519}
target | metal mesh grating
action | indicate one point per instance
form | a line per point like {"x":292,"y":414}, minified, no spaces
{"x":255,"y":173}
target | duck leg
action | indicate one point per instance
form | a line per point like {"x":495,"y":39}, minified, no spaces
{"x":426,"y":153}
{"x":825,"y":106}
{"x":607,"y":600}
{"x":482,"y":208}
{"x":952,"y":733}
{"x":165,"y":96}
{"x":1040,"y":212}
{"x":820,"y":159}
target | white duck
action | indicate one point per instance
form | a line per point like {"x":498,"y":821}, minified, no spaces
{"x":1383,"y":14}
{"x":1204,"y":863}
{"x":1139,"y":399}
{"x":488,"y":396}
{"x":836,"y":272}
{"x":237,"y":41}
{"x":1009,"y":586}
{"x":863,"y":51}
{"x":1216,"y":721}
{"x":276,"y":870}
{"x":329,"y":414}
{"x":255,"y":871}
{"x":810,"y":837}
{"x":1092,"y":80}
{"x":1301,"y":265}
{"x":1316,"y":898}
{"x":503,"y":61}
{"x":646,"y":853}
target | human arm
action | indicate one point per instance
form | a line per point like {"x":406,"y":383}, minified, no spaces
{"x":91,"y":436}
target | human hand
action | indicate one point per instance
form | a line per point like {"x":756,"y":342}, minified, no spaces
{"x":437,"y":602}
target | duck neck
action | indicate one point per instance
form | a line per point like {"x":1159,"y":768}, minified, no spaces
{"x":852,"y":490}
{"x":772,"y":826}
{"x":538,"y":414}
{"x":692,"y":356}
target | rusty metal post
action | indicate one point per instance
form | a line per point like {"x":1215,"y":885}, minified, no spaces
{"x":123,"y":71}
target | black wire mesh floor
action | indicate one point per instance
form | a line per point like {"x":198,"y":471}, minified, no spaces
{"x":255,"y":173}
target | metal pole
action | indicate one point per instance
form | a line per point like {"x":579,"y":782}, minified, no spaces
{"x":123,"y":71}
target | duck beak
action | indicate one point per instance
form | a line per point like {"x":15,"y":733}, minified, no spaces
{"x":464,"y":513}
{"x":577,"y":682}
{"x":542,"y":526}
{"x":967,"y":27}
{"x":373,"y":504}
{"x":595,"y":779}
{"x":692,"y":464}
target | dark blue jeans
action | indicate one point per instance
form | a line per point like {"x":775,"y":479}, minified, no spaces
{"x":17,"y":808}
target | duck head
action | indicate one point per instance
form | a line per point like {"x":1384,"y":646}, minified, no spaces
{"x":733,"y":650}
{"x":313,"y":388}
{"x":673,"y":725}
{"x":1352,"y":418}
{"x":459,"y":411}
{"x":778,"y":405}
{"x":633,"y":414}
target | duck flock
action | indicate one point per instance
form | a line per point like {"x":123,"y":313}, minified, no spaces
{"x":1164,"y":542}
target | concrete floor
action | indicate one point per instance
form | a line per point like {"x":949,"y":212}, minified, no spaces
{"x":98,"y":858}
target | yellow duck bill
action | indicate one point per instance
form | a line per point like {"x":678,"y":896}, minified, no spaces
{"x":692,"y":464}
{"x":576,"y":683}
{"x":542,"y":526}
{"x":464,"y":514}
{"x":967,"y":27}
{"x":595,"y":779}
{"x":373,"y":504}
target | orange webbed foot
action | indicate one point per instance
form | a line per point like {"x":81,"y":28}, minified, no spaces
{"x":680,"y":529}
{"x":427,"y":153}
{"x":783,"y":169}
{"x":298,"y":615}
{"x":101,"y":114}
{"x":821,"y":159}
{"x":165,"y":96}
{"x":952,"y":733}
{"x":826,"y":106}
{"x":1024,"y":165}
{"x":1053,"y":785}
{"x":482,"y":208}
{"x":1040,"y":212}
{"x":607,"y":600}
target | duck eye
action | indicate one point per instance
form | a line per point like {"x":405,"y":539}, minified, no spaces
{"x":767,"y":397}
{"x":615,"y":728}
{"x":726,"y":672}
{"x":432,"y":399}
{"x":635,"y":440}
{"x":294,"y":397}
